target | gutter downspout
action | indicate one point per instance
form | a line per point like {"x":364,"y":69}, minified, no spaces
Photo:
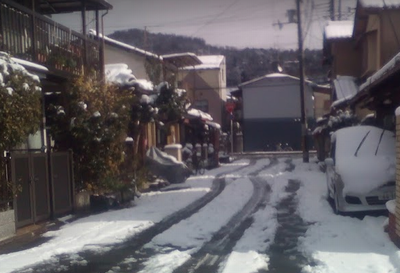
{"x":102,"y":48}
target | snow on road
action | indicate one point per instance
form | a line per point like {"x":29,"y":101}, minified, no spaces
{"x":335,"y":243}
{"x":96,"y":232}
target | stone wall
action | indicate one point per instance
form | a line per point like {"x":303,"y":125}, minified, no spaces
{"x":7,"y":224}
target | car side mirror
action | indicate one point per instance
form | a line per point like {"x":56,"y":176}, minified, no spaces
{"x":329,"y":161}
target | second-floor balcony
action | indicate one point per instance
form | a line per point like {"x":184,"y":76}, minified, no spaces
{"x":30,"y":36}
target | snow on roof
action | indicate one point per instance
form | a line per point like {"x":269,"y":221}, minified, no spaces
{"x":182,"y":59}
{"x":120,"y":74}
{"x":385,"y":70}
{"x":213,"y":124}
{"x":208,"y":62}
{"x":380,"y":3}
{"x":30,"y":65}
{"x":273,"y":76}
{"x":339,"y":29}
{"x":8,"y":63}
{"x":200,"y":114}
{"x":126,"y":46}
{"x":345,"y":87}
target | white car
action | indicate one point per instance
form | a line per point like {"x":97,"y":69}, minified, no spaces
{"x":361,"y":171}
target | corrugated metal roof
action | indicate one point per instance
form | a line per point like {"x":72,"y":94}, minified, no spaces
{"x":345,"y":87}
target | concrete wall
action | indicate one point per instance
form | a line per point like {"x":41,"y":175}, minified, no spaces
{"x":7,"y":224}
{"x":211,"y":86}
{"x":135,"y":62}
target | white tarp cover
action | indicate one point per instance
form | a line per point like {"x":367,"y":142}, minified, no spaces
{"x":166,"y":166}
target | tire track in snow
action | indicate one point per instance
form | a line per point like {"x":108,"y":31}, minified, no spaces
{"x":284,"y":253}
{"x":214,"y":252}
{"x":102,"y":262}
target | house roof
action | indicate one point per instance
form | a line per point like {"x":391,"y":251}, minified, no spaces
{"x":182,"y":59}
{"x":272,"y":76}
{"x":380,"y":4}
{"x":339,"y":30}
{"x":207,"y":62}
{"x":387,"y":70}
{"x":366,"y":7}
{"x":178,"y":59}
{"x":123,"y":45}
{"x":62,"y":6}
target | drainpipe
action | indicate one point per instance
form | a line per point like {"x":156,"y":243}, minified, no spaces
{"x":102,"y":49}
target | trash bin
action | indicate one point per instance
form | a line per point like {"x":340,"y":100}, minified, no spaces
{"x":174,"y":150}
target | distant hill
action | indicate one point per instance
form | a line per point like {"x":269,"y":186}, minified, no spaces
{"x":242,"y":64}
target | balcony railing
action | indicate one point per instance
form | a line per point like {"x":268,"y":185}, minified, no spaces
{"x":30,"y":36}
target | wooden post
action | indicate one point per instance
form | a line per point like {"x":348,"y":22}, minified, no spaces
{"x":302,"y":103}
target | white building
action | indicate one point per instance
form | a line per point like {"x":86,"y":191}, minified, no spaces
{"x":272,"y":112}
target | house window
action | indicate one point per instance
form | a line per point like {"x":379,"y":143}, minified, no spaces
{"x":201,"y":105}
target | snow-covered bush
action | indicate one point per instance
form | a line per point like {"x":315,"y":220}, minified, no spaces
{"x":20,"y":112}
{"x":335,"y":122}
{"x":92,"y":120}
{"x":20,"y":107}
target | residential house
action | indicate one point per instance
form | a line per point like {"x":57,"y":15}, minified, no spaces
{"x":272,"y":112}
{"x":206,"y":86}
{"x":152,"y":67}
{"x":56,"y":54}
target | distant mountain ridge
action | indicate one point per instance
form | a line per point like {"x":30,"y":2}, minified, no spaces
{"x":242,"y":64}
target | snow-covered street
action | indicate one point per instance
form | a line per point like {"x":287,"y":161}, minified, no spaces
{"x":252,"y":215}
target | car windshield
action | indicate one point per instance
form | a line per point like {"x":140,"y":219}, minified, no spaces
{"x":364,"y":141}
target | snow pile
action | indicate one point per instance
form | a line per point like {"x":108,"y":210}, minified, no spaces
{"x":8,"y":65}
{"x":200,"y":114}
{"x":120,"y":74}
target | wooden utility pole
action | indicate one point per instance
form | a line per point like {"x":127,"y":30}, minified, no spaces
{"x":332,"y":9}
{"x":304,"y":139}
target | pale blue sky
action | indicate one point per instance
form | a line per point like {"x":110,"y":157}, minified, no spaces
{"x":238,"y":23}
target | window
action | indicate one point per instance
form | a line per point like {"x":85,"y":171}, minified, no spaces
{"x":201,"y":105}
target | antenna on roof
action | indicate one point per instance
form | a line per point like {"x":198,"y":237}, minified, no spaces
{"x":145,"y":44}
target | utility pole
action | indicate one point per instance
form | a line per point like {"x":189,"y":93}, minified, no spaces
{"x":340,"y":10}
{"x":332,"y":9}
{"x":301,"y":71}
